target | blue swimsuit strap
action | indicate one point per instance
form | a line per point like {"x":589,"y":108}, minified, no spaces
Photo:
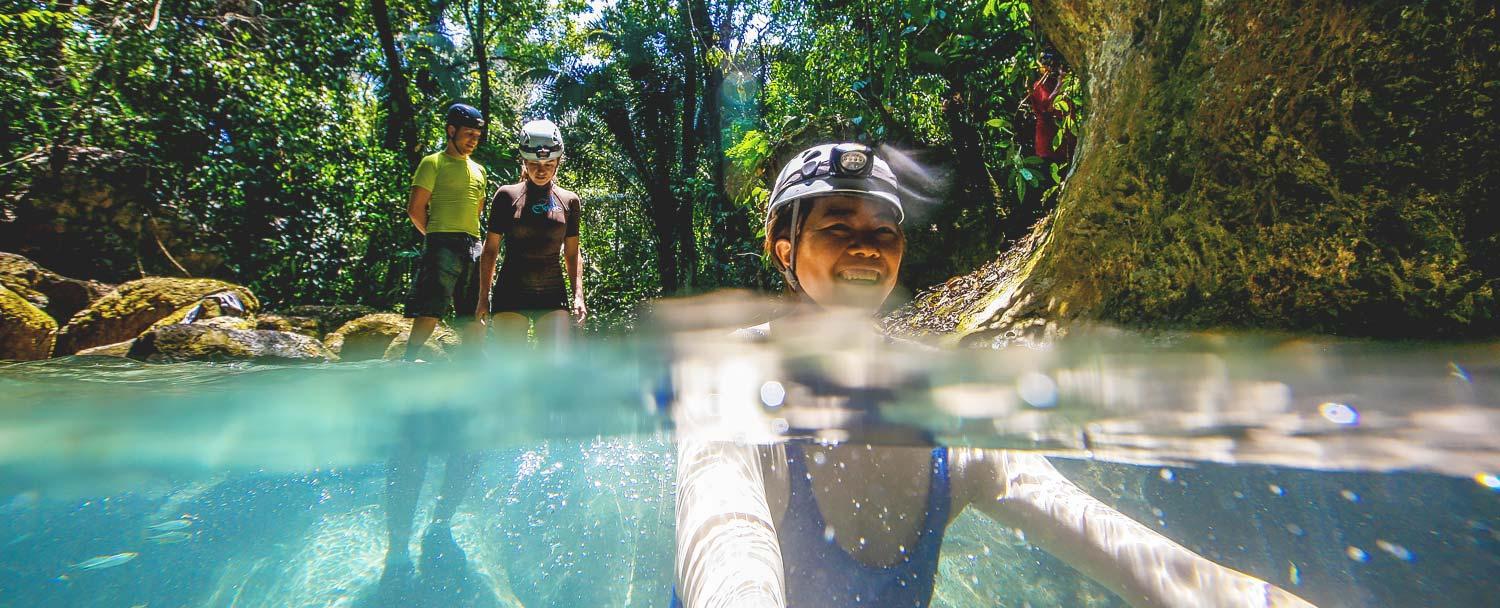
{"x":929,"y":540}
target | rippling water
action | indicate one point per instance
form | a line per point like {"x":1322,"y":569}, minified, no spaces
{"x":1351,"y":473}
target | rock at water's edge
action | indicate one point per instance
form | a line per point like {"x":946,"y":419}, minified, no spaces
{"x":26,"y":333}
{"x":135,"y":306}
{"x":205,"y":342}
{"x":59,"y":296}
{"x":374,"y":336}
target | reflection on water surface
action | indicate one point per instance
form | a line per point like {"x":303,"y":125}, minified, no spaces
{"x":1348,"y":473}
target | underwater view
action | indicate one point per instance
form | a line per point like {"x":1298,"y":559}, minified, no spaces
{"x":1349,"y":473}
{"x":749,"y":303}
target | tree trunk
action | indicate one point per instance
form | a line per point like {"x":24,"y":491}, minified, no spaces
{"x":482,"y":57}
{"x":1287,"y":165}
{"x":400,"y":126}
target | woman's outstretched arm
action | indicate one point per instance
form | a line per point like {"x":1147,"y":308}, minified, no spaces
{"x":1144,"y":568}
{"x":727,"y":552}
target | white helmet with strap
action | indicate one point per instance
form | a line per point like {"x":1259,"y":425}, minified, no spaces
{"x":540,"y":140}
{"x":849,"y":169}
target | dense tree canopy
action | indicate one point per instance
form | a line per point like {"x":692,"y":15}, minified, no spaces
{"x":271,"y":143}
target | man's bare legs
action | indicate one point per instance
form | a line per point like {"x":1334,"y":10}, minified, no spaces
{"x":421,"y":330}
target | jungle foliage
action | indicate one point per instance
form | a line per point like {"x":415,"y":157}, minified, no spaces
{"x":271,"y":142}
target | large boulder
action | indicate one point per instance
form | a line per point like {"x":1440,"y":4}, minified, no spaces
{"x":60,"y":296}
{"x":306,"y":326}
{"x":135,"y":306}
{"x":384,"y":336}
{"x":208,"y":342}
{"x":26,"y":332}
{"x":322,"y":318}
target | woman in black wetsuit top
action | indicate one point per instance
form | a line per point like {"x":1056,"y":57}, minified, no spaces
{"x":538,"y":221}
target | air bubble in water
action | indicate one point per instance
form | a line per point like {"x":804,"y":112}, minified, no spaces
{"x":1357,"y":554}
{"x":1349,"y":495}
{"x":1277,"y":490}
{"x":1167,"y":475}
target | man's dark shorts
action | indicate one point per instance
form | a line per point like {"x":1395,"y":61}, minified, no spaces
{"x":447,"y":279}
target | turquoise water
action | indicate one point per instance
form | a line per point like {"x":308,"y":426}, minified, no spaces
{"x":1350,"y":473}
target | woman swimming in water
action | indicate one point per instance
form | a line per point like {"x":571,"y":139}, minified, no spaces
{"x":783,"y":525}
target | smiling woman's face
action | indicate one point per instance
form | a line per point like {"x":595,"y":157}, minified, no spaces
{"x":848,"y":252}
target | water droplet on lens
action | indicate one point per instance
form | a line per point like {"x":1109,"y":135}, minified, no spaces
{"x":1277,"y":490}
{"x":828,"y":533}
{"x":1396,"y":551}
{"x":1167,"y":475}
{"x":772,"y":393}
{"x":1339,"y":413}
{"x":1037,"y":390}
{"x":1349,"y":495}
{"x":1357,"y":554}
{"x":1487,"y":480}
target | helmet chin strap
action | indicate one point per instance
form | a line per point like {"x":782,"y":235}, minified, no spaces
{"x":791,"y":271}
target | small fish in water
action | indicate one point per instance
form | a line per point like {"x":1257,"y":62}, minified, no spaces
{"x":173,"y":524}
{"x":170,"y":538}
{"x":105,"y":561}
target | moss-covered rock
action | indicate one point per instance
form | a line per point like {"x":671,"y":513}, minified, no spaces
{"x":328,"y":317}
{"x":26,"y":332}
{"x":226,"y":322}
{"x":307,"y":326}
{"x":219,"y":304}
{"x":384,"y":335}
{"x":134,"y":306}
{"x":1314,"y":166}
{"x":60,"y":296}
{"x":207,"y":342}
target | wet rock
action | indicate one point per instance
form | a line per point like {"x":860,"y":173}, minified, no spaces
{"x":118,"y":349}
{"x":137,"y":305}
{"x":59,"y":296}
{"x":206,"y":342}
{"x":239,"y":323}
{"x":327,"y":317}
{"x":307,"y":326}
{"x":212,"y":306}
{"x":26,"y":333}
{"x":384,"y":336}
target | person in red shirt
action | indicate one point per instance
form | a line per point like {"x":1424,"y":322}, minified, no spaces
{"x":1042,"y":101}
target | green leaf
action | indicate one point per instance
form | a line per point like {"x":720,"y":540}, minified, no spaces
{"x":930,"y":58}
{"x":998,"y":123}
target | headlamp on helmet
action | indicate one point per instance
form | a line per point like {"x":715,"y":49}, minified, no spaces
{"x":852,"y":160}
{"x":540,"y":140}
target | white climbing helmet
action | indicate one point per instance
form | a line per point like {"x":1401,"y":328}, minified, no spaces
{"x":540,"y":140}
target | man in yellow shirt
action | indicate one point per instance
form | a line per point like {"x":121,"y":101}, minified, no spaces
{"x":447,"y":194}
